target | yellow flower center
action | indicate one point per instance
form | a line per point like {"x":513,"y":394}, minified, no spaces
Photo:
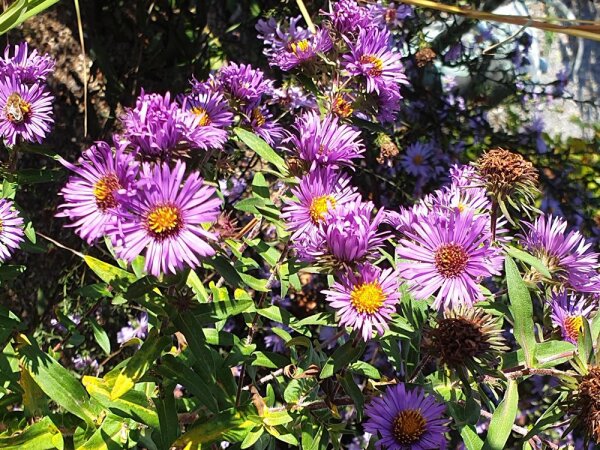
{"x":17,"y":110}
{"x":573,"y":326}
{"x":104,"y":190}
{"x":300,"y":46}
{"x":408,"y":426}
{"x":320,"y":206}
{"x":258,"y":117}
{"x":376,"y":64}
{"x":203,"y":115}
{"x":461,"y":207}
{"x":1,"y":225}
{"x":164,"y":221}
{"x":367,"y":297}
{"x":451,"y":260}
{"x":342,"y":107}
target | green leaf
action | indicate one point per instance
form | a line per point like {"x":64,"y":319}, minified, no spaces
{"x":273,"y":418}
{"x":522,"y":311}
{"x":252,"y":437}
{"x":134,"y":404}
{"x":108,"y":436}
{"x":585,"y":347}
{"x":139,"y":363}
{"x":11,"y":16}
{"x":261,"y":148}
{"x":56,"y":381}
{"x":365,"y":369}
{"x":229,"y":425}
{"x":354,"y":392}
{"x":204,"y":391}
{"x":269,"y":360}
{"x":100,"y":336}
{"x":342,"y":357}
{"x":166,"y":409}
{"x":43,"y":435}
{"x":548,"y":354}
{"x":503,"y":418}
{"x":112,"y":275}
{"x":470,"y":438}
{"x":534,"y":262}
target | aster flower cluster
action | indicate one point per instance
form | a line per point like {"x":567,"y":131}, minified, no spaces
{"x":25,"y":100}
{"x":352,"y":49}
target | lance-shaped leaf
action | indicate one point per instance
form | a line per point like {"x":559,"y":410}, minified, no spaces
{"x":56,"y":381}
{"x":522,"y":311}
{"x":134,"y":404}
{"x":109,"y":436}
{"x":263,"y":149}
{"x":43,"y":435}
{"x":503,"y":419}
{"x":139,"y":363}
{"x":110,"y":274}
{"x":229,"y":425}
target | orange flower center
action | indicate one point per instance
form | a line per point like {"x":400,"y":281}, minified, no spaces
{"x":408,"y":426}
{"x":342,"y":107}
{"x":367,"y":297}
{"x":258,"y":117}
{"x":164,"y":221}
{"x":451,"y":260}
{"x":17,"y":110}
{"x":104,"y":190}
{"x":418,"y":159}
{"x":319,"y":207}
{"x":203,"y":115}
{"x":376,"y":64}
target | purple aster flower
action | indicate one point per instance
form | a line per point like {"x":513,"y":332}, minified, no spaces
{"x":137,"y":328}
{"x":242,"y":85}
{"x":84,"y":362}
{"x":568,"y":256}
{"x":568,"y":312}
{"x":373,"y":59}
{"x":277,"y":37}
{"x":232,"y":187}
{"x":165,"y":219}
{"x":390,"y":15}
{"x":29,"y":67}
{"x":273,"y":341}
{"x":347,"y":16}
{"x":211,"y":109}
{"x":388,"y":105}
{"x":365,"y":300}
{"x":293,"y":97}
{"x":449,"y":256}
{"x":91,"y":196}
{"x":11,"y":229}
{"x":326,"y":142}
{"x":319,"y":192}
{"x":350,"y":232}
{"x":261,"y":121}
{"x":300,"y":52}
{"x":26,"y":111}
{"x":406,"y":420}
{"x":158,"y":126}
{"x":417,"y":159}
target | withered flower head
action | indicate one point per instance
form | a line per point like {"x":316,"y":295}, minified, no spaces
{"x":388,"y":150}
{"x":226,"y":226}
{"x":424,"y":56}
{"x":508,"y":176}
{"x":587,"y":404}
{"x":465,"y":338}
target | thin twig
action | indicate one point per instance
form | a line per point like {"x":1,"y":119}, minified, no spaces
{"x":85,"y":74}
